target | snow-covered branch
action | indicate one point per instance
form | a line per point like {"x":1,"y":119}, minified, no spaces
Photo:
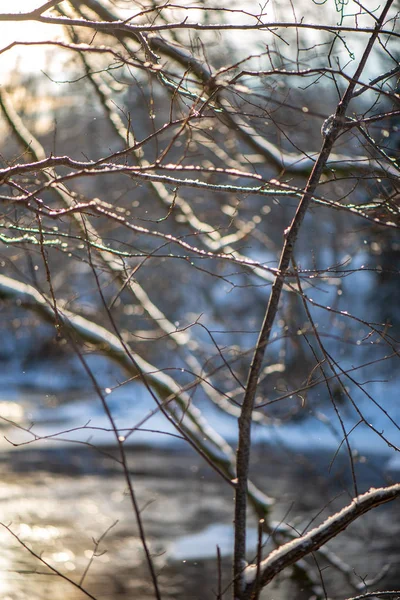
{"x":293,"y":551}
{"x":170,"y":397}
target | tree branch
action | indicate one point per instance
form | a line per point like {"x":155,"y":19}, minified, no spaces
{"x":245,"y":420}
{"x":290,"y":553}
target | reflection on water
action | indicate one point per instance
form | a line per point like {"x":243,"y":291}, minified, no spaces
{"x":203,"y":544}
{"x":60,"y":498}
{"x":62,"y":515}
{"x":67,"y":501}
{"x":61,"y":502}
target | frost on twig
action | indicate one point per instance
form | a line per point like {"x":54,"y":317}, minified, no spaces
{"x":335,"y":121}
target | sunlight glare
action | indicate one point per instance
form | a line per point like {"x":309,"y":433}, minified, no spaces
{"x":23,"y":58}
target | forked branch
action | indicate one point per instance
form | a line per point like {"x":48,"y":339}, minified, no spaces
{"x":293,"y":551}
{"x":291,"y":234}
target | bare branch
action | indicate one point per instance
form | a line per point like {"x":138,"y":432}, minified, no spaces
{"x":244,"y":445}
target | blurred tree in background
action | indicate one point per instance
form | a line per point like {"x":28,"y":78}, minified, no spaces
{"x":209,"y":197}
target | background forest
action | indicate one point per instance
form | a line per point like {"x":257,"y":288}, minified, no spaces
{"x":199,"y":300}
